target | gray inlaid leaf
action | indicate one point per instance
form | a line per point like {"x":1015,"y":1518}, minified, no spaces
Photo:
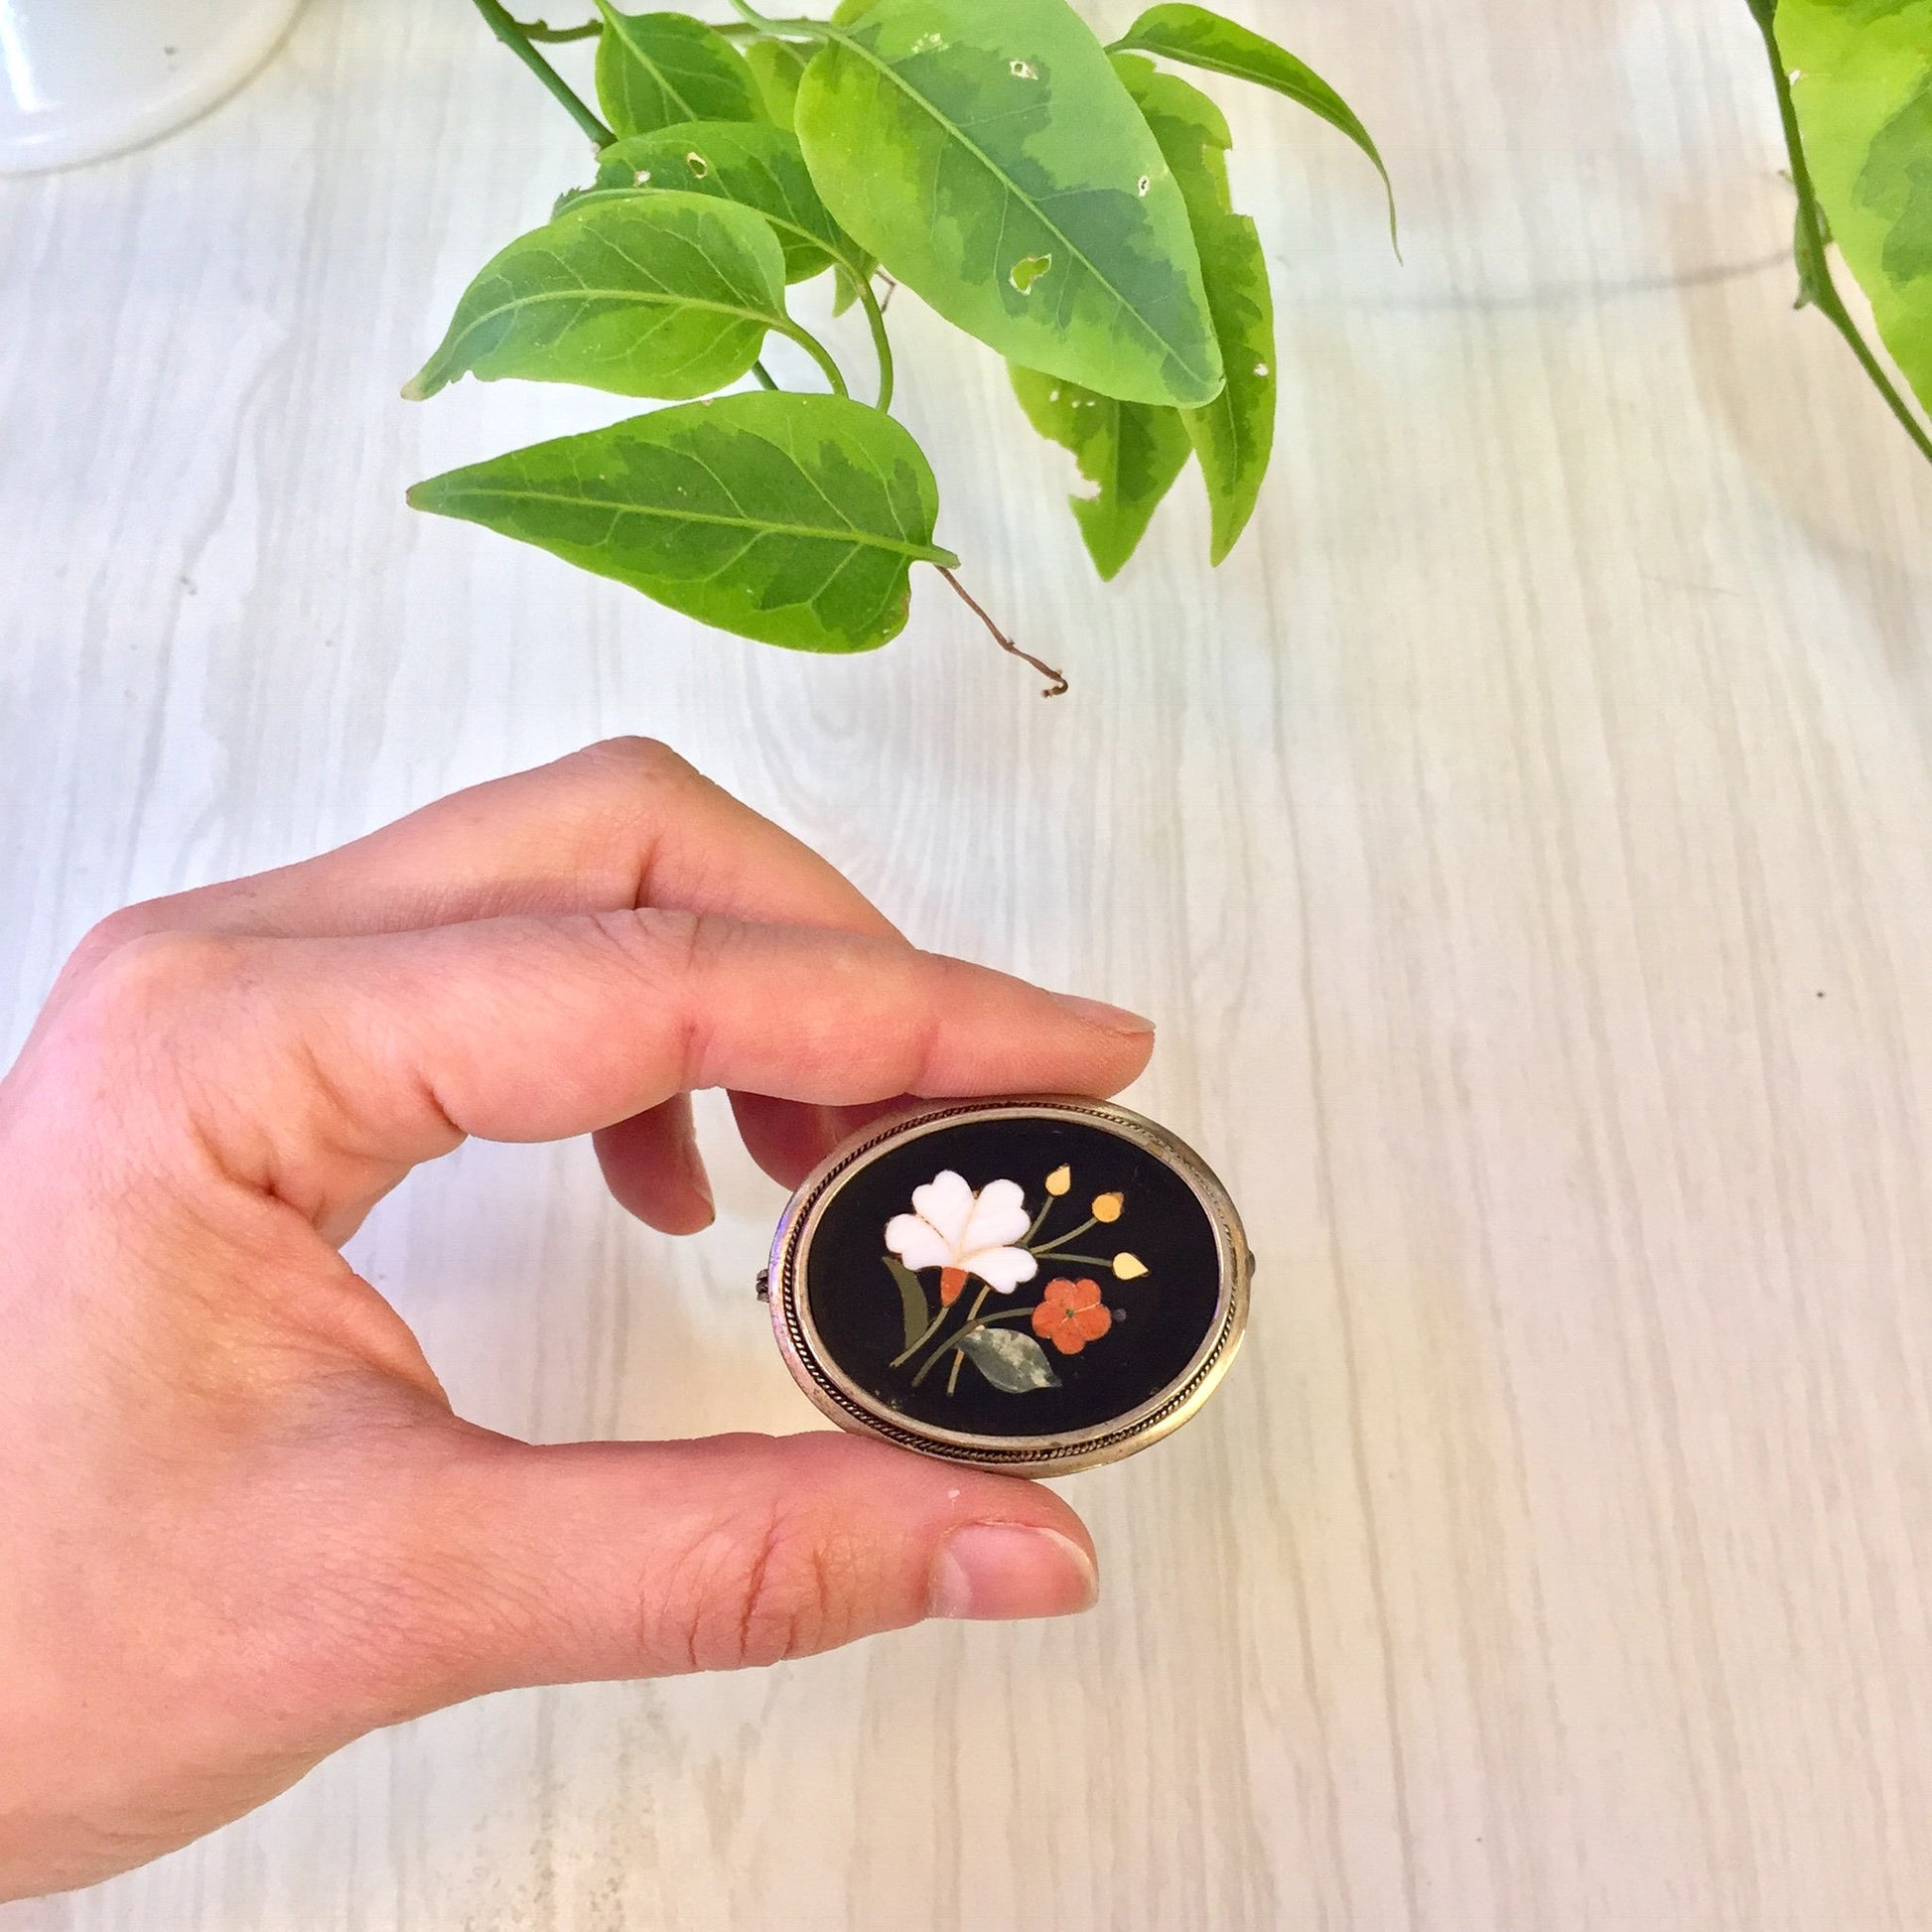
{"x":1008,"y":1359}
{"x":986,"y":152}
{"x":796,"y":519}
{"x":645,"y":295}
{"x":656,"y":68}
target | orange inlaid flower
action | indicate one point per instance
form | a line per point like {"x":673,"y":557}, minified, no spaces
{"x":1073,"y":1315}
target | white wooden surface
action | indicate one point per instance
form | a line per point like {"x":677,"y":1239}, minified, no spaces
{"x":1523,"y":841}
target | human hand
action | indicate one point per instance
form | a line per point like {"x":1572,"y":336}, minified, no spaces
{"x":243,"y":1526}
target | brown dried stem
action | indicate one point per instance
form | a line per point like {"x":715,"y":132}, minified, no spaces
{"x":1057,"y":686}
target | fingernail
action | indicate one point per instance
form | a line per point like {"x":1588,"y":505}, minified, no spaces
{"x":1007,"y":1570}
{"x":1097,"y":1013}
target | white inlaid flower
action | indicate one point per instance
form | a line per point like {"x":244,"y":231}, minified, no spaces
{"x":962,"y":1233}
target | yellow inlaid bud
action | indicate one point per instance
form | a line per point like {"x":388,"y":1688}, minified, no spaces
{"x":1128,"y":1267}
{"x":1106,"y":1207}
{"x":1059,"y":1180}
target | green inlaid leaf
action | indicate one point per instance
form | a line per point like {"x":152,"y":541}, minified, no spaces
{"x":794,"y":519}
{"x":1862,"y":88}
{"x":654,"y":70}
{"x":1235,"y":432}
{"x":988,"y":154}
{"x":757,"y":166}
{"x":778,"y":66}
{"x":1131,"y":452}
{"x":1202,"y":39}
{"x":914,"y":1308}
{"x":645,"y":295}
{"x":1010,"y":1360}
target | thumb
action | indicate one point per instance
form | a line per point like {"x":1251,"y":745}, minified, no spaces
{"x":592,"y":1561}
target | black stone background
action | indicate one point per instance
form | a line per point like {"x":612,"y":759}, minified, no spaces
{"x":1169,"y":1311}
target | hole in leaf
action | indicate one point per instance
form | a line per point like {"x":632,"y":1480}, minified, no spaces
{"x":929,"y":43}
{"x":698,"y":165}
{"x":641,"y":177}
{"x":1027,"y":270}
{"x":1145,"y":185}
{"x":1022,"y":71}
{"x":1261,"y":369}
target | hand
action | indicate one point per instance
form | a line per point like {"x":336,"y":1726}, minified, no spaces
{"x":241,"y":1524}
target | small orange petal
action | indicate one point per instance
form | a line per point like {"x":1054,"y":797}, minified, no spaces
{"x":1046,"y":1319}
{"x":1083,"y":1294}
{"x":951,"y":1282}
{"x":1091,"y":1322}
{"x":1068,"y":1339}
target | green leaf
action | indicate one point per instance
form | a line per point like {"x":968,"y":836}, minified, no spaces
{"x":846,"y":284}
{"x":1010,"y":1360}
{"x":914,"y":1308}
{"x":1864,"y":96}
{"x":1235,"y":432}
{"x":1131,"y":452}
{"x":645,"y":295}
{"x":988,"y":154}
{"x":608,"y":179}
{"x":1198,"y":37}
{"x":758,"y":167}
{"x":778,"y":66}
{"x":654,"y":70}
{"x":794,"y":519}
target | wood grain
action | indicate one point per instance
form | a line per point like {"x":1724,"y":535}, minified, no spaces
{"x":1523,"y":841}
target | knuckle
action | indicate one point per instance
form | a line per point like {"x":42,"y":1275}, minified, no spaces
{"x":642,"y":763}
{"x":148,"y":980}
{"x":161,"y":968}
{"x":119,"y":929}
{"x":110,"y":936}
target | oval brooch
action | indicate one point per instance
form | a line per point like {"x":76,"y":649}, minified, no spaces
{"x":1034,"y":1285}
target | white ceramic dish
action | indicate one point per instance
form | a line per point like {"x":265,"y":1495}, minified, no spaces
{"x":85,"y":79}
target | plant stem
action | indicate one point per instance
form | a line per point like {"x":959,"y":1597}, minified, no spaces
{"x":539,"y":30}
{"x":817,"y":351}
{"x":518,"y":42}
{"x":932,"y":1328}
{"x":1058,"y":688}
{"x":814,"y":30}
{"x":1814,"y":266}
{"x":966,"y":1329}
{"x":763,"y":375}
{"x":925,"y":1367}
{"x":1047,"y":1247}
{"x":938,"y":1355}
{"x":959,"y":1355}
{"x":971,"y":1323}
{"x":881,"y":347}
{"x":1092,"y":1261}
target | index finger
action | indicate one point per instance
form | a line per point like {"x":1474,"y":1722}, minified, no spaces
{"x":326,"y":1068}
{"x":621,"y":824}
